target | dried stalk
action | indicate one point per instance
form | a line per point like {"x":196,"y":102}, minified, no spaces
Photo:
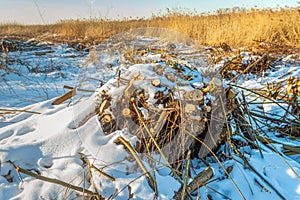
{"x":10,"y":111}
{"x":152,"y":182}
{"x":103,"y":173}
{"x":187,"y":170}
{"x":295,"y":149}
{"x":270,"y":99}
{"x":59,"y":182}
{"x":78,"y":89}
{"x":242,"y":123}
{"x":91,"y":177}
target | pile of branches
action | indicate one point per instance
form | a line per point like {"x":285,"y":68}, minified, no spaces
{"x":167,"y":107}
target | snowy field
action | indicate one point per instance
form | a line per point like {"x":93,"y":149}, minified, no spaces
{"x":68,"y":143}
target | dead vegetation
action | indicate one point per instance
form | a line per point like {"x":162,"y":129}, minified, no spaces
{"x":280,"y":33}
{"x":241,"y":120}
{"x":161,"y":116}
{"x":234,"y":27}
{"x":256,"y":59}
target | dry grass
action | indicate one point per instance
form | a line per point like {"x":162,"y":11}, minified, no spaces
{"x":235,"y":27}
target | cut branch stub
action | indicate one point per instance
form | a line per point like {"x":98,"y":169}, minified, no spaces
{"x":128,"y":113}
{"x":105,"y":104}
{"x":156,"y":82}
{"x":107,"y":118}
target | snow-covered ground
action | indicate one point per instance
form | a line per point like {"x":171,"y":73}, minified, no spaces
{"x":58,"y":141}
{"x":36,"y":71}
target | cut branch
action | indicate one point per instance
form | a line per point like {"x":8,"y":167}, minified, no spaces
{"x":64,"y":97}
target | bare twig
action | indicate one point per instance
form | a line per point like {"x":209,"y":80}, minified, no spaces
{"x":103,"y":173}
{"x":78,"y":89}
{"x":59,"y":182}
{"x":9,"y":111}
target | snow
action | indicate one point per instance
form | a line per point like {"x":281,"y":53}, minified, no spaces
{"x":40,"y":68}
{"x":52,"y":143}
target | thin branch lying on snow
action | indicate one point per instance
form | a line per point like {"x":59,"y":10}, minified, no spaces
{"x":11,"y":111}
{"x":151,"y":180}
{"x":59,"y":182}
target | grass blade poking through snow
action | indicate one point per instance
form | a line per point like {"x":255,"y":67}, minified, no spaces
{"x":150,"y":179}
{"x":102,"y":173}
{"x":258,"y":135}
{"x":91,"y":177}
{"x":269,"y":99}
{"x":187,"y":170}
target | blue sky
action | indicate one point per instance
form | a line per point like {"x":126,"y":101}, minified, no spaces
{"x":50,"y":11}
